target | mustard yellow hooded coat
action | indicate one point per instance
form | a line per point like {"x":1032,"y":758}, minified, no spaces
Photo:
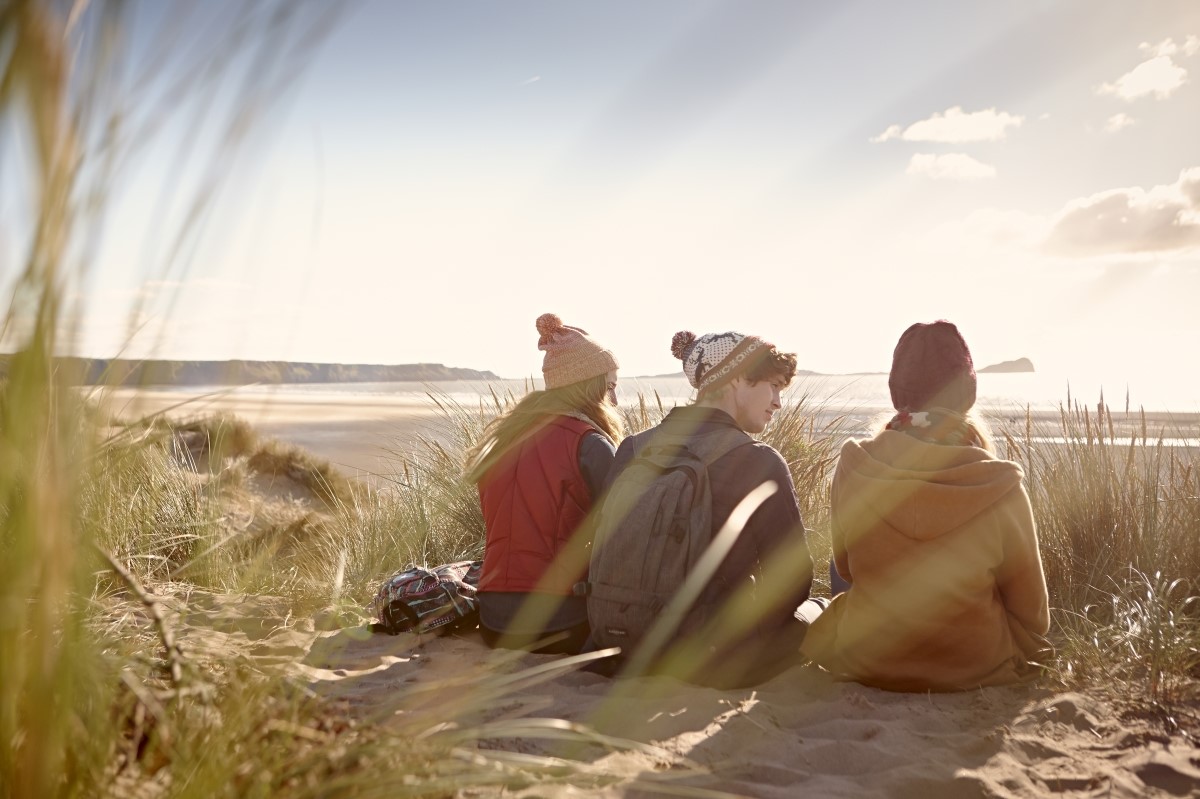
{"x":939,"y":545}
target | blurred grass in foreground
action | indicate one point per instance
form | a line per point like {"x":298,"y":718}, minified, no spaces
{"x":96,"y":696}
{"x":98,"y":525}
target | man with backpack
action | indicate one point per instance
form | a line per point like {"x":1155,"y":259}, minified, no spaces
{"x":672,"y":513}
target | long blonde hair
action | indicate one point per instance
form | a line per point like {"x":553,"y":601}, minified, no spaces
{"x":587,"y":399}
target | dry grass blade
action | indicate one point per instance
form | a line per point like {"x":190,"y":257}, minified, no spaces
{"x":174,"y":654}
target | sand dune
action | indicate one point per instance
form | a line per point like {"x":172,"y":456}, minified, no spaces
{"x":801,"y":734}
{"x":359,"y":436}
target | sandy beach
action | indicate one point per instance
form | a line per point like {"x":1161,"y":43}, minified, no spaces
{"x":801,"y":734}
{"x":362,"y":438}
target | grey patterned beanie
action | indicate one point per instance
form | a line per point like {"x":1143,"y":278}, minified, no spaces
{"x":714,"y":359}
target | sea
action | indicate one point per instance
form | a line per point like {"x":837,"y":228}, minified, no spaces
{"x":362,"y":427}
{"x":997,"y":392}
{"x":1170,"y":402}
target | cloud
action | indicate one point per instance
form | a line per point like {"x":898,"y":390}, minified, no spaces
{"x":1189,"y":187}
{"x":1118,"y":122}
{"x":893,"y":132}
{"x":1159,"y":76}
{"x":528,"y":81}
{"x":955,"y":126}
{"x":950,"y":166}
{"x":1190,"y":46}
{"x":1130,"y":220}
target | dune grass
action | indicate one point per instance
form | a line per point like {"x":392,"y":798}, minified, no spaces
{"x":1126,"y":615}
{"x":1119,"y":524}
{"x":1119,"y":521}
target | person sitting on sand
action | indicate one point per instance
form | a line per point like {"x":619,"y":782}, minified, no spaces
{"x":738,"y":379}
{"x":539,"y":467}
{"x":936,"y":538}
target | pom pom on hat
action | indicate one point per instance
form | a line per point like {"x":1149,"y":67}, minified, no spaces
{"x":932,"y":368}
{"x":548,"y":324}
{"x":714,"y":359}
{"x":571,"y":355}
{"x":680,"y":343}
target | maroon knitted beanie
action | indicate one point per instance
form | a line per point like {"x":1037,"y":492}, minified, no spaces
{"x":932,"y":368}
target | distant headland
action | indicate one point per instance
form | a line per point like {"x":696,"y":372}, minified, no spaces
{"x":121,"y":372}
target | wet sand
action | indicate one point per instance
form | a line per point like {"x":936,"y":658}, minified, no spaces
{"x":361,"y":437}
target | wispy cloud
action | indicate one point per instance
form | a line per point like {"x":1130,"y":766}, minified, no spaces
{"x":1190,"y":46}
{"x":1159,"y":75}
{"x":528,"y":81}
{"x":950,"y":166}
{"x":955,"y":126}
{"x":1130,"y":220}
{"x":1118,"y":122}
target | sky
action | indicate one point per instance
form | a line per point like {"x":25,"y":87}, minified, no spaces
{"x":435,"y":175}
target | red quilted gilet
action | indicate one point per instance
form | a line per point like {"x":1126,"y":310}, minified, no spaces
{"x":533,"y":500}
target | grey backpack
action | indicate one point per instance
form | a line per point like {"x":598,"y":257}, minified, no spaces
{"x":655,"y":524}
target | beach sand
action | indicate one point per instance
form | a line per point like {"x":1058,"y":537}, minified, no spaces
{"x":801,"y":734}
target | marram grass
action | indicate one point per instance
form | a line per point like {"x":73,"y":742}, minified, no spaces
{"x":1117,"y":504}
{"x":174,"y":528}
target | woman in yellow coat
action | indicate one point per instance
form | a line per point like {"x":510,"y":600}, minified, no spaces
{"x":935,"y":537}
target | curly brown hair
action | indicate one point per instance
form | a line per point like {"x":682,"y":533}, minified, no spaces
{"x":769,"y":364}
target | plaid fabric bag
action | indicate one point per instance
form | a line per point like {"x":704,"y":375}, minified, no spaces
{"x":425,"y":600}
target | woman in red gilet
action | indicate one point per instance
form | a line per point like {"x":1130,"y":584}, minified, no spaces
{"x":539,"y":468}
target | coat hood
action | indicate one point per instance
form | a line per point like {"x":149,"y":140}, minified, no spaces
{"x":919,"y":489}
